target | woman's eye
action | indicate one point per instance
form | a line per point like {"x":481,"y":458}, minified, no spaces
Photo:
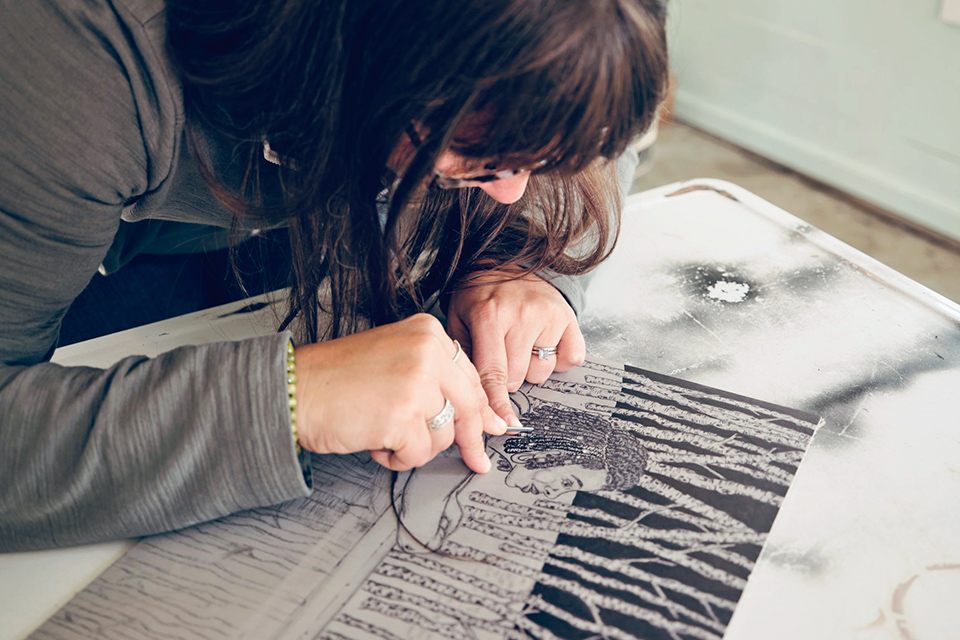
{"x":567,"y":483}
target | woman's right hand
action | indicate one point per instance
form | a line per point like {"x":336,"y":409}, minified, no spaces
{"x":375,"y":391}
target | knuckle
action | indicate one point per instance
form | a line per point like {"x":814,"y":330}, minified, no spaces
{"x":420,"y":458}
{"x":394,"y":464}
{"x":495,"y":376}
{"x":503,"y":408}
{"x":419,"y":365}
{"x":408,"y":414}
{"x":576,"y":352}
{"x":417,"y":372}
{"x":516,"y":377}
{"x":424,"y":322}
{"x":404,"y":417}
{"x":484,"y":313}
{"x":421,"y":342}
{"x":538,"y":377}
{"x":415,"y":453}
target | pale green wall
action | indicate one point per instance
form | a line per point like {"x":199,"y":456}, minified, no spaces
{"x":862,"y":94}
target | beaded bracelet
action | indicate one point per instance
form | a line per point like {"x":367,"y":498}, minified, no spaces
{"x":292,"y":392}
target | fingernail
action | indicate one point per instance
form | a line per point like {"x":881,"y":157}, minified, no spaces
{"x":486,"y":462}
{"x":500,"y":423}
{"x":514,"y":422}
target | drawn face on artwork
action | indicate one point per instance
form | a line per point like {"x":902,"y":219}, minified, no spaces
{"x":554,"y":481}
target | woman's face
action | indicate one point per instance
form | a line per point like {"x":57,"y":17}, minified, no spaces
{"x":554,"y":481}
{"x":504,"y":190}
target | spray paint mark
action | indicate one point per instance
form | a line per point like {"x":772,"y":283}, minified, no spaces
{"x":728,"y":291}
{"x":718,"y":284}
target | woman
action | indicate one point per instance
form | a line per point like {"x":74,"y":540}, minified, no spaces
{"x":443,"y":151}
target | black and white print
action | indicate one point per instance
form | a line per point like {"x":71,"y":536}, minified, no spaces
{"x":636,"y":510}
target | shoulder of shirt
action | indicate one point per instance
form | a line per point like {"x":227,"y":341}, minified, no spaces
{"x":164,"y":109}
{"x":91,"y":99}
{"x":143,"y":10}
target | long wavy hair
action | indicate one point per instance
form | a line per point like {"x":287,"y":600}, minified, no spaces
{"x":334,"y":84}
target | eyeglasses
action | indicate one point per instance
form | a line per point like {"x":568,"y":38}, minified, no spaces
{"x":442,"y":180}
{"x":475,"y":179}
{"x":469,"y":178}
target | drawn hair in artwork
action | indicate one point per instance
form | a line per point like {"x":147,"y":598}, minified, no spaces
{"x":567,"y":438}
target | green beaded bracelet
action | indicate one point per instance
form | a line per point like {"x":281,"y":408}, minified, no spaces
{"x":292,"y":392}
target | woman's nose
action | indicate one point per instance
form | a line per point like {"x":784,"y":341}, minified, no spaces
{"x":507,"y":190}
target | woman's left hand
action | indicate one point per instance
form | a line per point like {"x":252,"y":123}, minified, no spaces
{"x":500,"y":322}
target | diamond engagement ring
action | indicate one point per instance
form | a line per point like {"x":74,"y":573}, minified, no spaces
{"x":544,"y":353}
{"x":442,"y":419}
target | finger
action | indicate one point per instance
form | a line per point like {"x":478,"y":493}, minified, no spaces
{"x":539,"y":368}
{"x":459,"y":332}
{"x":458,"y":385}
{"x":387,"y":458}
{"x":468,"y":423}
{"x":492,"y":423}
{"x":440,"y":427}
{"x":572,"y":350}
{"x":473,"y":450}
{"x":419,"y":444}
{"x":382,"y":457}
{"x":455,"y":382}
{"x":519,"y":344}
{"x":407,"y":443}
{"x":489,"y":356}
{"x":416,"y":450}
{"x":466,"y":380}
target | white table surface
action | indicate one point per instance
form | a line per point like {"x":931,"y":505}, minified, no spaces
{"x":712,"y":284}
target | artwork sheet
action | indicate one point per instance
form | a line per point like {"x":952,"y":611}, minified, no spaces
{"x":636,"y":509}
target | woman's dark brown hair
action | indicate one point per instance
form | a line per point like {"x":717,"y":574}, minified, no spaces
{"x":333,"y":85}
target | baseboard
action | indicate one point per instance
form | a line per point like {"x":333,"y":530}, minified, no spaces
{"x":889,"y":192}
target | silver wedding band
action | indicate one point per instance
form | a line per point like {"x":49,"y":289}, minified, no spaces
{"x":544,"y":353}
{"x":445,"y":417}
{"x":442,"y":419}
